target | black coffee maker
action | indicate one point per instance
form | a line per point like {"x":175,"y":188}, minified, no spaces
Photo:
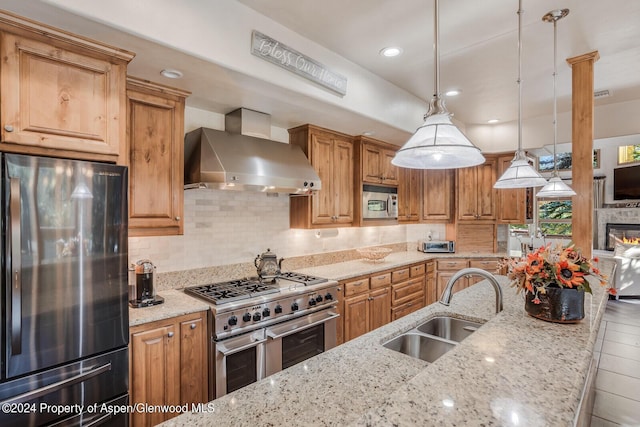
{"x":141,"y":290}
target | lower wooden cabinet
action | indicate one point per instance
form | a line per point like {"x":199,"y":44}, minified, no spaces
{"x":366,"y":312}
{"x":168,"y":365}
{"x":430,"y":289}
{"x":446,"y":268}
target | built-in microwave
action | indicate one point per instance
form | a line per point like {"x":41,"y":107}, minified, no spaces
{"x":379,"y":202}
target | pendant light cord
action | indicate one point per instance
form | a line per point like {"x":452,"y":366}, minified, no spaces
{"x":555,"y":102}
{"x":520,"y":12}
{"x":436,"y":50}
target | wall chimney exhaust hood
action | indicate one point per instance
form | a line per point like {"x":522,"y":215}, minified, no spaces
{"x":240,"y":159}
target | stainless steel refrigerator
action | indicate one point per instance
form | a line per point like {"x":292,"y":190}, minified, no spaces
{"x":64,"y":292}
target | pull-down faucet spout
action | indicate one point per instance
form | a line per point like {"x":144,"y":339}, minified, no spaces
{"x":447,"y":294}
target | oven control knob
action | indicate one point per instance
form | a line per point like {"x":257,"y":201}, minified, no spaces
{"x":256,"y":316}
{"x":312,"y":302}
{"x":319,"y":298}
{"x":233,"y":320}
{"x":328,"y":297}
{"x":294,"y":306}
{"x":278,"y":309}
{"x":246,"y":317}
{"x":266,"y":312}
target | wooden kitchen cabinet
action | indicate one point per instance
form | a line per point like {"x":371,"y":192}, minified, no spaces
{"x":407,"y":290}
{"x":62,"y":95}
{"x":365,"y":308}
{"x":446,"y":268}
{"x":409,"y":195}
{"x":331,"y":155}
{"x":168,"y":365}
{"x":430,"y":289}
{"x":155,"y":130}
{"x":513,"y":202}
{"x":476,"y":195}
{"x":376,"y":159}
{"x":437,"y":197}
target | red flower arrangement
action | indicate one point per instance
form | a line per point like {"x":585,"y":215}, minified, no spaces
{"x":557,"y":266}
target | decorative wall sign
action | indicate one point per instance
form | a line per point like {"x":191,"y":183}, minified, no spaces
{"x":545,"y":163}
{"x":290,"y":59}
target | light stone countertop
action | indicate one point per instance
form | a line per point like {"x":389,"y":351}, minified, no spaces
{"x":176,"y":303}
{"x":514,"y":370}
{"x":350,"y":269}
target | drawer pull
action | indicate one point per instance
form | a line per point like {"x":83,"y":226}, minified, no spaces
{"x":357,"y":283}
{"x":193,"y":326}
{"x":170,"y":334}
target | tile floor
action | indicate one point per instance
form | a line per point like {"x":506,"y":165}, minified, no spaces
{"x":617,"y":397}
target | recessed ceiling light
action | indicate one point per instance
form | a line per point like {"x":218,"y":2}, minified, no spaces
{"x":171,"y":73}
{"x":453,"y":92}
{"x":390,"y":52}
{"x":492,"y":121}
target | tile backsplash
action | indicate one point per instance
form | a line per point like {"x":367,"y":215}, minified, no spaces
{"x":231,"y":227}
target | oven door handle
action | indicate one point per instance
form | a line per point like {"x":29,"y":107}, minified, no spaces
{"x":227,"y":352}
{"x":274,"y":336}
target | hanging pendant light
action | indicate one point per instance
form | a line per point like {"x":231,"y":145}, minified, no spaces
{"x":555,"y":188}
{"x":438,"y":143}
{"x":520,"y":173}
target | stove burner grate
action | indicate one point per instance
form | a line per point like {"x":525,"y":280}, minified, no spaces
{"x":233,"y":290}
{"x":302,"y":278}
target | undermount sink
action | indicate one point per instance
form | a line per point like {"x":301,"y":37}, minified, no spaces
{"x":433,"y":338}
{"x":420,"y":346}
{"x":449,"y":328}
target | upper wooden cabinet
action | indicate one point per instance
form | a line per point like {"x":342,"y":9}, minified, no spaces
{"x":476,"y":195}
{"x":409,"y":195}
{"x":437,"y":199}
{"x":376,"y":159}
{"x":331,"y":155}
{"x":155,"y":130}
{"x":512,"y":203}
{"x":62,"y":95}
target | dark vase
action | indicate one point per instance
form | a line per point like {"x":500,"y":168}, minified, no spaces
{"x":560,"y":305}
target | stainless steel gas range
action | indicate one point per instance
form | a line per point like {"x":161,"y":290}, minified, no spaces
{"x":263,"y":326}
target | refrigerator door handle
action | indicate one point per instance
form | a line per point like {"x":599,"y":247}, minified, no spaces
{"x":30,"y":395}
{"x":16,"y":267}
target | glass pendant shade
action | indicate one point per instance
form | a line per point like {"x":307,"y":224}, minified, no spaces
{"x":438,"y":144}
{"x":520,"y":174}
{"x":556,"y":188}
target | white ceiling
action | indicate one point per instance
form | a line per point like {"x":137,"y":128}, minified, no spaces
{"x":478,"y":41}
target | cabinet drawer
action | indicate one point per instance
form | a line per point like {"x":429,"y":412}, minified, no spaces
{"x":417,"y":270}
{"x":380,"y":280}
{"x":406,"y":308}
{"x":452,"y":264}
{"x":431,"y":266}
{"x":356,"y":286}
{"x":404,"y":292}
{"x":400,"y":275}
{"x":491,"y":265}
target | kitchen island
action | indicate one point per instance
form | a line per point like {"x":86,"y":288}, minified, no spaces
{"x":514,"y":370}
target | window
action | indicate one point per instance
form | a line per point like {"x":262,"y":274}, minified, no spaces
{"x":554,"y":217}
{"x":628,"y":154}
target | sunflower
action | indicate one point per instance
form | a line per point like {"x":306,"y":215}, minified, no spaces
{"x":569,"y":273}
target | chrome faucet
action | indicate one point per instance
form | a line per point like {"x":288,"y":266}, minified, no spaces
{"x":445,"y":299}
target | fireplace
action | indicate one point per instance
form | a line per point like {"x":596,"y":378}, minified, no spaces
{"x":621,"y":233}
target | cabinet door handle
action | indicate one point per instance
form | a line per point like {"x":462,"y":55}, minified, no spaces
{"x":8,"y":128}
{"x":370,"y":299}
{"x":170,"y":334}
{"x":177,"y":218}
{"x":193,"y":326}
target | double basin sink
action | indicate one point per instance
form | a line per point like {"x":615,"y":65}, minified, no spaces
{"x":433,"y":338}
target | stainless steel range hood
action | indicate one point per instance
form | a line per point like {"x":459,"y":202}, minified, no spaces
{"x":232,"y":161}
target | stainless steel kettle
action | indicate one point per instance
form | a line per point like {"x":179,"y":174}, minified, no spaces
{"x":268,"y":265}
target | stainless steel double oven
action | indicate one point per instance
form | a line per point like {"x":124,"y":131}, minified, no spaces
{"x":270,"y":330}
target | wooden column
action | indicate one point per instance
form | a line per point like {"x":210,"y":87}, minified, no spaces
{"x":582,"y":149}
